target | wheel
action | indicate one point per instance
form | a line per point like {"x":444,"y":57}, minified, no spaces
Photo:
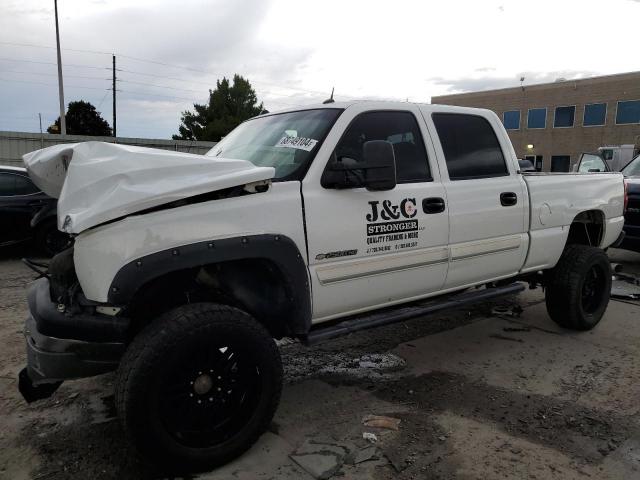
{"x":51,"y":240}
{"x":198,"y":386}
{"x":578,"y":288}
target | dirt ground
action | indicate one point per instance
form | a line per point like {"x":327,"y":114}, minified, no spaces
{"x":480,"y":393}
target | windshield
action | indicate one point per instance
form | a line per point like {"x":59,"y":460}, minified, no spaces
{"x":286,"y":141}
{"x":633,"y":168}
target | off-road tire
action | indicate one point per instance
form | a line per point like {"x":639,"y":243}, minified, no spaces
{"x":152,"y":354}
{"x":566,"y":284}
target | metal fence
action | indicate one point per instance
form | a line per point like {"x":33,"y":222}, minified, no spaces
{"x":15,"y":144}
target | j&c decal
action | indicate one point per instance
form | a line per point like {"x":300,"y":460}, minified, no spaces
{"x":392,"y":227}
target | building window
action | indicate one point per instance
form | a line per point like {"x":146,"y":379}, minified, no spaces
{"x":536,"y":161}
{"x":628,"y":112}
{"x":471,"y":148}
{"x":537,"y":118}
{"x":594,"y":114}
{"x":511,"y":120}
{"x":564,"y":117}
{"x":560,"y":163}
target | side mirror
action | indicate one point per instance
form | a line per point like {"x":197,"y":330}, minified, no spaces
{"x":380,"y":161}
{"x":376,"y":171}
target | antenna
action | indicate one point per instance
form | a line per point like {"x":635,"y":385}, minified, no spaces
{"x":330,"y":99}
{"x":522,"y":83}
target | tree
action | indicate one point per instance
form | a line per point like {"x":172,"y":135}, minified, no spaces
{"x":229,"y":105}
{"x":83,"y":119}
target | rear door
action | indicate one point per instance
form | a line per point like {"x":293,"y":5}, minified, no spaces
{"x":373,"y":248}
{"x":486,"y":197}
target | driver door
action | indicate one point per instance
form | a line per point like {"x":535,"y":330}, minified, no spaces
{"x":369,"y":249}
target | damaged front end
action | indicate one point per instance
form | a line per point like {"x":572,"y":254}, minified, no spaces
{"x":67,"y":336}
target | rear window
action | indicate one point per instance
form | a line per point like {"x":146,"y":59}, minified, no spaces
{"x":471,"y":148}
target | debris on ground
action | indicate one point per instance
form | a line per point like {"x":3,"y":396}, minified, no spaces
{"x":507,"y":310}
{"x":362,"y":455}
{"x":322,"y":460}
{"x":371,"y":437}
{"x":516,"y":329}
{"x":380,"y":421}
{"x":625,"y":286}
{"x":504,"y":337}
{"x":373,"y":365}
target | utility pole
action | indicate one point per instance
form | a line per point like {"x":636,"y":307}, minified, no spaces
{"x":63,"y":123}
{"x":114,"y":95}
{"x":41,"y":136}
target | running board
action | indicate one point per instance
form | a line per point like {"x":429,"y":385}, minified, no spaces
{"x":398,"y":314}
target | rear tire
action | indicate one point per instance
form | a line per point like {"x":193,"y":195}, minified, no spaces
{"x":198,"y":386}
{"x":579,"y":287}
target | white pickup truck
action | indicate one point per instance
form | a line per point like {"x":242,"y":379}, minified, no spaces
{"x":308,"y":223}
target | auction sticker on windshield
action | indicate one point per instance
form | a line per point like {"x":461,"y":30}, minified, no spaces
{"x":300,"y":143}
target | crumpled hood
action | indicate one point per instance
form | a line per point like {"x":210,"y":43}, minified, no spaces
{"x":96,"y":181}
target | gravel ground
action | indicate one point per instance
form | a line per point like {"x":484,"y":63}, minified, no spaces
{"x":479,"y":395}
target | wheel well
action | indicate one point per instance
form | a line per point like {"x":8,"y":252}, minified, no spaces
{"x":587,"y":228}
{"x":256,"y":286}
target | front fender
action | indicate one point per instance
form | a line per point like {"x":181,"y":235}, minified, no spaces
{"x":279,"y":249}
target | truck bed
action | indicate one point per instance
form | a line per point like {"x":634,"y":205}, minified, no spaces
{"x":555,"y":199}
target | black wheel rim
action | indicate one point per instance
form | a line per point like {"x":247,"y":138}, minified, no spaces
{"x":210,"y":393}
{"x":593,"y":289}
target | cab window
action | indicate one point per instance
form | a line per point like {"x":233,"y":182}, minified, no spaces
{"x":401,"y":130}
{"x":471,"y":148}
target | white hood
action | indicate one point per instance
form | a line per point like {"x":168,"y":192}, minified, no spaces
{"x":96,"y":181}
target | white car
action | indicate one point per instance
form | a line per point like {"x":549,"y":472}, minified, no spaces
{"x":304,"y":223}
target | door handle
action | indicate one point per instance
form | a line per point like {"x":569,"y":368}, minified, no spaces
{"x":433,"y":205}
{"x":508,"y":199}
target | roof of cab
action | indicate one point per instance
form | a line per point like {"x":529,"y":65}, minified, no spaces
{"x":373,"y":104}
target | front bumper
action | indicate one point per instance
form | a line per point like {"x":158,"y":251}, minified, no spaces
{"x":51,"y":359}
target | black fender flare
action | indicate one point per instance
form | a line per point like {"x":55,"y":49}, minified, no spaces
{"x":279,"y":249}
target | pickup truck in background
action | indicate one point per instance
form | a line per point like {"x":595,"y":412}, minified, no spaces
{"x":595,"y":163}
{"x":309,"y":223}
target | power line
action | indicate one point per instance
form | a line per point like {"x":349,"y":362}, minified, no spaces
{"x":54,"y":75}
{"x":136,"y":92}
{"x":48,"y":84}
{"x":170,"y":65}
{"x":159,"y":86}
{"x":165,"y":64}
{"x":147,"y":94}
{"x":105,"y":96}
{"x":51,"y":63}
{"x":199,"y":91}
{"x":217,"y":74}
{"x":12,"y":44}
{"x":208,"y":84}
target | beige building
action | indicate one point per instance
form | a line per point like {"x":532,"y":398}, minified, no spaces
{"x":552,"y":123}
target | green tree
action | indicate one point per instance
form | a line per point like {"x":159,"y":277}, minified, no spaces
{"x":229,"y":105}
{"x":82,"y":119}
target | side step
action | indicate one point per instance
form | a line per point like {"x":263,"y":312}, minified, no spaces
{"x":404,"y":312}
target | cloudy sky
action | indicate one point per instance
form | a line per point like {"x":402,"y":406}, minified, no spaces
{"x":170,"y":53}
